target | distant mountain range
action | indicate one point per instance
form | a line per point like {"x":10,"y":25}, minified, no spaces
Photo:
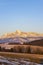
{"x":20,"y":37}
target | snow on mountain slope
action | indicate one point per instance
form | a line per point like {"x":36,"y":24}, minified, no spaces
{"x":19,"y":36}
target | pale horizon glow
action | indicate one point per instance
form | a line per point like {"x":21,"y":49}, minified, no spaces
{"x":23,"y":15}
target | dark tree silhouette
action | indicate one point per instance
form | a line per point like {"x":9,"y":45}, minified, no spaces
{"x":11,"y":50}
{"x":0,"y":48}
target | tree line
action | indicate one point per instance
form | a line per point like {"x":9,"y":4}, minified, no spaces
{"x":23,"y":49}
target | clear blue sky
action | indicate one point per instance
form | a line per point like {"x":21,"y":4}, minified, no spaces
{"x":25,"y":15}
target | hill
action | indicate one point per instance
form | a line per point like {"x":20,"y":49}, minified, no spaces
{"x":36,"y":42}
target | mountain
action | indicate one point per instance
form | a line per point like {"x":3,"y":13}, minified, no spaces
{"x":18,"y":33}
{"x":20,"y":37}
{"x":37,"y":42}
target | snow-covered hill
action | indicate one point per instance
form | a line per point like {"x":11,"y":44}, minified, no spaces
{"x":20,"y":37}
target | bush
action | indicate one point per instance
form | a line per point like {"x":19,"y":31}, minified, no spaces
{"x":39,"y":51}
{"x":28,"y":49}
{"x":16,"y":49}
{"x":11,"y":50}
{"x":0,"y":48}
{"x":3,"y":49}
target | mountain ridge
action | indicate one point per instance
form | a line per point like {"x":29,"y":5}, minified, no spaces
{"x":19,"y":33}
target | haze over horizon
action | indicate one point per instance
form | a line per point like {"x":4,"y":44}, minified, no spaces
{"x":23,"y":15}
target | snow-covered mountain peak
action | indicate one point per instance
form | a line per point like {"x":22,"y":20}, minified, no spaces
{"x":19,"y":33}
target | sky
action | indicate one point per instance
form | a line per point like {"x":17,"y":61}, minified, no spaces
{"x":24,"y":15}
